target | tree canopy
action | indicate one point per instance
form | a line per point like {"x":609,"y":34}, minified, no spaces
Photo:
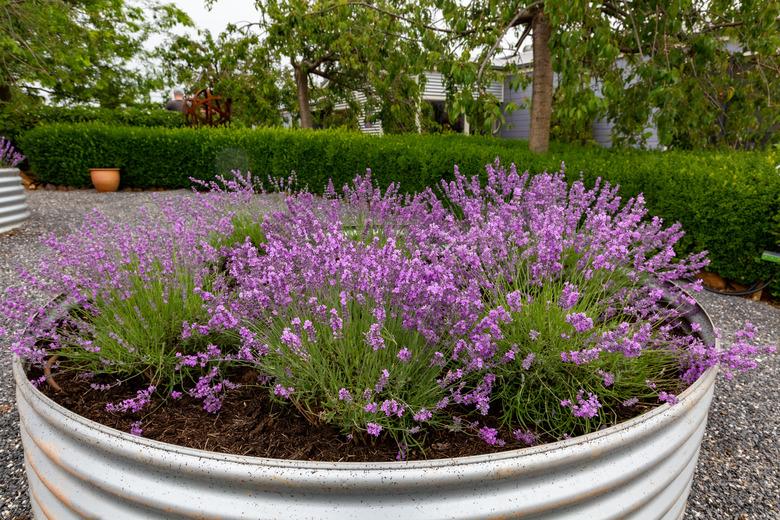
{"x":235,"y":66}
{"x":80,"y":50}
{"x":702,"y":73}
{"x":337,"y":48}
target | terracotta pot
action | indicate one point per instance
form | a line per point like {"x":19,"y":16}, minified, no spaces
{"x":105,"y":179}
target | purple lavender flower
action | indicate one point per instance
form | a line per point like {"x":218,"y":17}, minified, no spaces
{"x":392,"y":407}
{"x":9,"y":156}
{"x":569,"y":296}
{"x":374,"y":337}
{"x":534,"y":334}
{"x":336,"y":325}
{"x":509,"y":355}
{"x":383,"y":379}
{"x":344,"y":395}
{"x":515,"y":301}
{"x":581,"y":357}
{"x":404,"y":355}
{"x":283,"y":391}
{"x":587,"y":408}
{"x":490,"y":436}
{"x":423,"y":415}
{"x":743,"y":353}
{"x":135,"y":429}
{"x":133,"y":405}
{"x":668,"y":398}
{"x":580,"y":321}
{"x":607,"y":377}
{"x":528,"y":360}
{"x":628,"y":403}
{"x":308,"y":327}
{"x":373,"y":429}
{"x":209,"y":389}
{"x":292,"y":340}
{"x":524,"y":436}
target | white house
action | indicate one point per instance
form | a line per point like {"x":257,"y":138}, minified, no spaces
{"x":517,"y":124}
{"x":434,"y":92}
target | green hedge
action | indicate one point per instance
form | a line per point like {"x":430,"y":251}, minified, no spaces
{"x":726,"y":201}
{"x":16,"y":120}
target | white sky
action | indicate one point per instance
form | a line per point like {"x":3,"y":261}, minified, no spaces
{"x":222,"y":13}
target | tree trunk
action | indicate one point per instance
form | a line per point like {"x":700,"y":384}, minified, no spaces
{"x":542,"y":94}
{"x":5,"y":93}
{"x":302,"y":83}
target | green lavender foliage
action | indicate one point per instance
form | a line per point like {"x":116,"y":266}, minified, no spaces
{"x":347,"y":362}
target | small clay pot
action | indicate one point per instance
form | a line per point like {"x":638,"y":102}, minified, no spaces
{"x":105,"y":179}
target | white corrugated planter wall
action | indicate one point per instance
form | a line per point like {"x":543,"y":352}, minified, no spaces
{"x":13,"y":202}
{"x":642,"y":469}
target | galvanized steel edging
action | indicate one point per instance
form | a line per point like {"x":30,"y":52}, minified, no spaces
{"x":641,"y":468}
{"x":13,"y":201}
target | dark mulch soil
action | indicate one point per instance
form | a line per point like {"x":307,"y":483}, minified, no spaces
{"x":251,"y":423}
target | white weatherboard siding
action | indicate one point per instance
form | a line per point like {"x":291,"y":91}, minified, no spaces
{"x":373,"y":128}
{"x":602,"y":128}
{"x":602,"y":132}
{"x":517,"y":124}
{"x":435,"y":90}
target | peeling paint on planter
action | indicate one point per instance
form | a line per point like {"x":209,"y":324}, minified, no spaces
{"x":642,"y":469}
{"x":13,"y":202}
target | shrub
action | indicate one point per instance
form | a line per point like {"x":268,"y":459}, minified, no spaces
{"x":523,"y":308}
{"x":727,"y":201}
{"x":16,"y":120}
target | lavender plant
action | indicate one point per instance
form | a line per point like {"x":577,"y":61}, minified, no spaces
{"x":519,"y":307}
{"x":9,"y":156}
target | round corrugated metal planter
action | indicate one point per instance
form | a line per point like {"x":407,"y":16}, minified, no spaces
{"x":642,"y":468}
{"x":13,"y":202}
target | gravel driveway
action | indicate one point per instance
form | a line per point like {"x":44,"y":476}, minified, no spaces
{"x":738,"y":476}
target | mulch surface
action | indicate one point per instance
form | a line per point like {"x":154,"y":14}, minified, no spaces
{"x":252,"y":423}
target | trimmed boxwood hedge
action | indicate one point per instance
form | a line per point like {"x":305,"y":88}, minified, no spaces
{"x":14,"y":121}
{"x":726,"y":201}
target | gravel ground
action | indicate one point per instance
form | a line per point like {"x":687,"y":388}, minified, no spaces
{"x":738,"y":475}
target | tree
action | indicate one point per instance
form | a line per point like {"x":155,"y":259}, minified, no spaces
{"x":79,"y":50}
{"x":337,"y":48}
{"x":233,"y":65}
{"x":706,"y":73}
{"x":674,"y":64}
